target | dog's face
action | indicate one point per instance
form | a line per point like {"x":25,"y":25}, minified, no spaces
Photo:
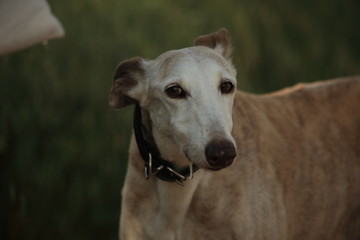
{"x":189,"y":95}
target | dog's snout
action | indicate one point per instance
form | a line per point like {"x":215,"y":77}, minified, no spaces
{"x":220,"y":154}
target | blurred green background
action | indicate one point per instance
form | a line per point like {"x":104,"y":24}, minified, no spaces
{"x":63,"y":151}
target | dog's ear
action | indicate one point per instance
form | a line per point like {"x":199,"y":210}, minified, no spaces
{"x":220,"y":41}
{"x":128,"y":77}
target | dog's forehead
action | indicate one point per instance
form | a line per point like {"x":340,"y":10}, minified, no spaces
{"x":193,"y":60}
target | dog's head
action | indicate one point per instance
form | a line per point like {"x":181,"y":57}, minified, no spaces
{"x":189,"y":96}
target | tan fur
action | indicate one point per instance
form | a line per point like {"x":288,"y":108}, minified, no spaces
{"x":296,"y":176}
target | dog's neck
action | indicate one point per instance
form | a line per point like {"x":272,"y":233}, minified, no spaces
{"x":174,"y":200}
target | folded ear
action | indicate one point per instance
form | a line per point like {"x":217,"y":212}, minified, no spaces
{"x":126,"y":86}
{"x":220,"y":41}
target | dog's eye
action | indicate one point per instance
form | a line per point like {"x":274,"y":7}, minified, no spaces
{"x":175,"y":91}
{"x":227,"y":87}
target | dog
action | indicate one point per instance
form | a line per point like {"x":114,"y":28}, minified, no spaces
{"x":210,"y":162}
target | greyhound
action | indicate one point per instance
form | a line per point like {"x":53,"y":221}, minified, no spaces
{"x":210,"y":162}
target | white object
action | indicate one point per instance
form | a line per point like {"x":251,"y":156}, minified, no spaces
{"x":24,"y":23}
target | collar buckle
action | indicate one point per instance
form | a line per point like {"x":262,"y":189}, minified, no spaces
{"x":149,"y":171}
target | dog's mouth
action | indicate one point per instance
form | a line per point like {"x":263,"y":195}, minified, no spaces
{"x":220,"y":165}
{"x":215,"y":169}
{"x":214,"y":164}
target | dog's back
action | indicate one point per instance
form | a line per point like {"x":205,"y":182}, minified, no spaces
{"x":307,"y":143}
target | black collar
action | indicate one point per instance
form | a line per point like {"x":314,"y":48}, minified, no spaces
{"x":154,"y":164}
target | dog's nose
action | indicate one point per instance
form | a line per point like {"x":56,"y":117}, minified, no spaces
{"x":220,"y":154}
